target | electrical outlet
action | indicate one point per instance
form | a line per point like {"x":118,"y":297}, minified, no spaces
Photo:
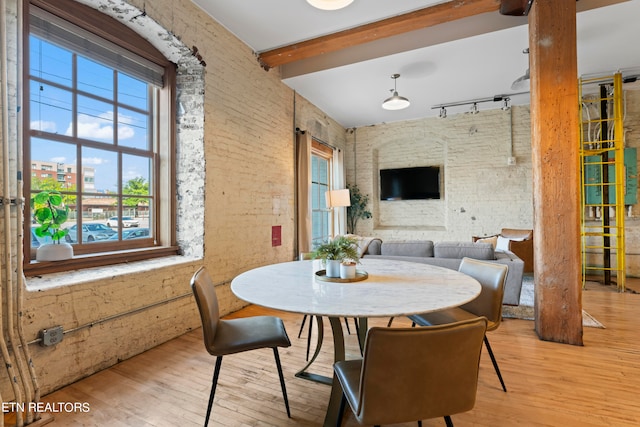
{"x":51,"y":336}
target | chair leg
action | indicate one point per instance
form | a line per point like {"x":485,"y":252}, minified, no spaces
{"x":214,"y":383}
{"x":284,"y":388}
{"x":304,"y":319}
{"x":495,"y":364}
{"x":420,"y":423}
{"x":309,"y":336}
{"x":343,"y":403}
{"x":390,"y":322}
{"x":346,"y":323}
{"x":447,"y":420}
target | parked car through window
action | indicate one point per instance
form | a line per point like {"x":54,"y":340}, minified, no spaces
{"x":126,"y":222}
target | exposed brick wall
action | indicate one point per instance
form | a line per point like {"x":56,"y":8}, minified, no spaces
{"x":235,"y":180}
{"x":482,"y":193}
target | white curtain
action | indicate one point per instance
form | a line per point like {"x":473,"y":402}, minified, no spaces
{"x":338,"y":183}
{"x":303,"y":142}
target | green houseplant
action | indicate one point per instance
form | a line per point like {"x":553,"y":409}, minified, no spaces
{"x":51,"y":213}
{"x":358,"y":209}
{"x":336,"y":251}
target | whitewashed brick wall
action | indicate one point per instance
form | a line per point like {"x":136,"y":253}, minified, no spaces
{"x":482,"y":193}
{"x":246,"y":160}
{"x":235,"y":179}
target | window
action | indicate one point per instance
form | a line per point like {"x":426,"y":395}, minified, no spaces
{"x":320,"y":183}
{"x":94,"y":117}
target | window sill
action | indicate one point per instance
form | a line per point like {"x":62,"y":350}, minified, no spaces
{"x":86,"y":275}
{"x":94,"y":260}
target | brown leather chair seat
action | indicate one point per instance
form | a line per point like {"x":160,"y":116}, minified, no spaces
{"x":229,"y":336}
{"x":411,"y":374}
{"x":488,"y":304}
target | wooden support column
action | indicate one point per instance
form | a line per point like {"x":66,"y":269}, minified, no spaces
{"x":556,"y":181}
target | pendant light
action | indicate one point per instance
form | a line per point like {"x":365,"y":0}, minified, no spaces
{"x":329,"y":4}
{"x":395,"y":102}
{"x":522,"y":82}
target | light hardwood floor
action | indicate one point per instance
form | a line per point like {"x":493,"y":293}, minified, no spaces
{"x":549,"y":384}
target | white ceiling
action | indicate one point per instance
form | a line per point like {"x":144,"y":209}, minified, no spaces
{"x":461,"y":61}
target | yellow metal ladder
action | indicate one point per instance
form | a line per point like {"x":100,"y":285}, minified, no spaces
{"x":603,"y":175}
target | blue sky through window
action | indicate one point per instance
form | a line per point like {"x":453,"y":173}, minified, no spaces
{"x":105,"y":113}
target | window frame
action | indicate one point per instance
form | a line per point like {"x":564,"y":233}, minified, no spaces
{"x":164,"y":187}
{"x":324,"y":152}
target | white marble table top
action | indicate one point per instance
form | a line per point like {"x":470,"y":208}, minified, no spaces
{"x":393,"y":288}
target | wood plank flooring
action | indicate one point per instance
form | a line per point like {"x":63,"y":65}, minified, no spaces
{"x":549,"y":384}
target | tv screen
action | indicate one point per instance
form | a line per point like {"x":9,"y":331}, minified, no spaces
{"x":410,"y":183}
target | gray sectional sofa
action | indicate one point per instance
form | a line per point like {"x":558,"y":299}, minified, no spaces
{"x":448,"y":255}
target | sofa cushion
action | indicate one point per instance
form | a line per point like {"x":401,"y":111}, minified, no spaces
{"x":477,"y":250}
{"x":414,"y":248}
{"x":492,"y":239}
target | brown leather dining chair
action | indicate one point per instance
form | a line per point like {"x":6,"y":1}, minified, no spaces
{"x":411,"y":374}
{"x":223,"y":337}
{"x":492,"y":277}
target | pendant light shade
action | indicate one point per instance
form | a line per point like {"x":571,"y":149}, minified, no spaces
{"x":329,"y":4}
{"x":522,"y":82}
{"x":395,"y":102}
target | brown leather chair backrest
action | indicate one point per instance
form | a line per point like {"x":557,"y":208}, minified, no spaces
{"x":492,"y":277}
{"x":205,"y":294}
{"x":515,"y":233}
{"x":411,"y":374}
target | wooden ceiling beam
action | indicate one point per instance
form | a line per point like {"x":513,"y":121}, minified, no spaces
{"x":416,"y":20}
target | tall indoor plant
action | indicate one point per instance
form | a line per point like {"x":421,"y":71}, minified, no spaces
{"x":358,"y":209}
{"x":51,"y":213}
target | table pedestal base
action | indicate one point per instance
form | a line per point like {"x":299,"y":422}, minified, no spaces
{"x":338,"y":354}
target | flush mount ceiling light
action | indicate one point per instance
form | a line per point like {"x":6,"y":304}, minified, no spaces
{"x":395,"y":102}
{"x":329,"y":4}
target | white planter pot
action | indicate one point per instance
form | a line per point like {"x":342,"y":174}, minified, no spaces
{"x":333,"y":267}
{"x":347,"y":271}
{"x":54,"y":252}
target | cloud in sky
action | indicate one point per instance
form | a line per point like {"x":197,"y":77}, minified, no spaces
{"x":94,"y":161}
{"x":44,"y":126}
{"x":101,"y":127}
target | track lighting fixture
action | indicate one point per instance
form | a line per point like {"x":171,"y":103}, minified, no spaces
{"x":395,"y":102}
{"x":505,"y":99}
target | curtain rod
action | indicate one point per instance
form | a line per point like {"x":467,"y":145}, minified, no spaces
{"x":298,"y":130}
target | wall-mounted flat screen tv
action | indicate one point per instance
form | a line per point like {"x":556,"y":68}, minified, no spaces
{"x":410,"y":183}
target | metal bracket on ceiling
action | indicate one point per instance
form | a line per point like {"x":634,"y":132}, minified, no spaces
{"x":515,"y":7}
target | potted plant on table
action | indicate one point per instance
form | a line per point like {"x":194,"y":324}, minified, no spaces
{"x":336,"y":251}
{"x":51,"y":213}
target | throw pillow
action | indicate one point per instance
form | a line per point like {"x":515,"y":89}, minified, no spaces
{"x":502,"y":244}
{"x":493,"y":240}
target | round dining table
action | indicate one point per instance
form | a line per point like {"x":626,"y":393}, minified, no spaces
{"x":384,"y":288}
